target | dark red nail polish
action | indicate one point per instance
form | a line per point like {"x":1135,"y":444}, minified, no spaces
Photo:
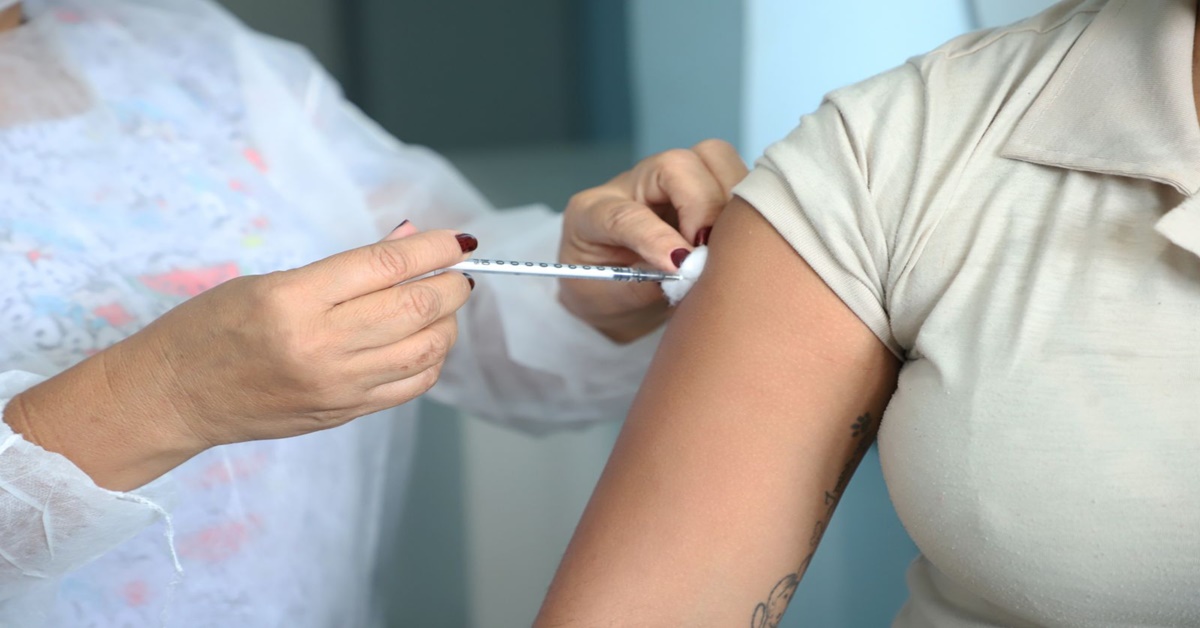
{"x":467,"y":242}
{"x":678,"y":255}
{"x":702,"y":236}
{"x":470,"y":280}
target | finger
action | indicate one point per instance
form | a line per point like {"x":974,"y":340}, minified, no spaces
{"x":398,"y":392}
{"x":634,"y":226}
{"x":727,"y":167}
{"x":402,"y":360}
{"x":681,"y":179}
{"x":724,"y":162}
{"x":388,"y":316}
{"x":379,"y":266}
{"x":403,"y":230}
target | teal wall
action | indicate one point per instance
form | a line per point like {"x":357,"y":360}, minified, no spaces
{"x":424,"y":580}
{"x":461,"y":74}
{"x":686,"y":71}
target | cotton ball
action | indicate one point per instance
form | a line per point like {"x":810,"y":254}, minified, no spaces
{"x":690,"y":271}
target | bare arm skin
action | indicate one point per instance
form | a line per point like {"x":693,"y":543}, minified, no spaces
{"x":763,"y":397}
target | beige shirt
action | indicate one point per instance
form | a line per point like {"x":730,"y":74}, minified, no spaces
{"x":1016,"y":216}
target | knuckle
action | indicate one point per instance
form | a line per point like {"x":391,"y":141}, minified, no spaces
{"x":625,"y":217}
{"x":265,"y":293}
{"x":428,"y":378}
{"x":581,"y":200}
{"x":675,"y":160}
{"x":299,"y":351}
{"x":287,"y":297}
{"x":269,"y":304}
{"x":422,"y":302}
{"x":252,"y":283}
{"x":433,"y":348}
{"x":390,"y":261}
{"x":441,"y":341}
{"x":714,"y":145}
{"x":589,"y":204}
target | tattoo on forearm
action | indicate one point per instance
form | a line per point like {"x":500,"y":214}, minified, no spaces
{"x":768,"y":614}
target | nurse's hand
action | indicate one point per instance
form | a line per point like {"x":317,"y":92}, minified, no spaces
{"x":652,"y":215}
{"x":258,"y":357}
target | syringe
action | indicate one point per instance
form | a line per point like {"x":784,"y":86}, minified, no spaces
{"x":562,"y":271}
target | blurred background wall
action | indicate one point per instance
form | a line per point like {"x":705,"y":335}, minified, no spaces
{"x":534,"y":100}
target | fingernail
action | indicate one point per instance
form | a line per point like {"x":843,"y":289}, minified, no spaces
{"x":467,"y":242}
{"x":702,"y":236}
{"x":470,"y":280}
{"x":401,"y":224}
{"x":678,"y":255}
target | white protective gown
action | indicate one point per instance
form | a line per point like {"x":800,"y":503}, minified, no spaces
{"x":149,"y":150}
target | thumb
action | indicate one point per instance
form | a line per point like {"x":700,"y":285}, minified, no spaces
{"x":403,"y":230}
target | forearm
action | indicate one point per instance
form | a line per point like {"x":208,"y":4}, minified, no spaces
{"x":119,"y":431}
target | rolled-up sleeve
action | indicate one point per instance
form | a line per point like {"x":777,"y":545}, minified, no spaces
{"x":836,"y":187}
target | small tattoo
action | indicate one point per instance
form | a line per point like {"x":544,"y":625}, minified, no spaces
{"x":818,"y":530}
{"x":768,"y":614}
{"x":804,"y":564}
{"x":861,"y":425}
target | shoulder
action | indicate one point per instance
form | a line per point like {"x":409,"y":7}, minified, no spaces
{"x":1028,"y":39}
{"x":984,"y":60}
{"x":935,"y":107}
{"x":1016,"y":59}
{"x":958,"y":89}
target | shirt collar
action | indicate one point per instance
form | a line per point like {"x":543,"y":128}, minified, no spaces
{"x":1121,"y":101}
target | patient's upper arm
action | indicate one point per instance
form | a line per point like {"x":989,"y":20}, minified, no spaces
{"x":765,"y":392}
